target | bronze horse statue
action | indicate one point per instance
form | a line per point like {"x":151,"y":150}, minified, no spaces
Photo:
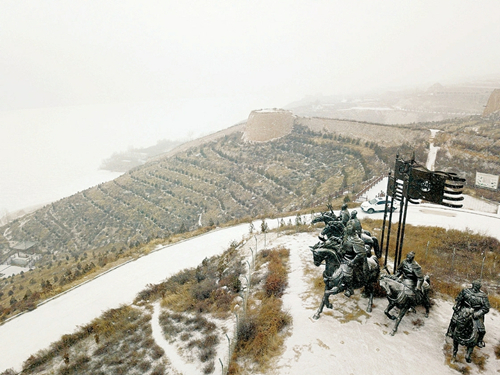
{"x":334,"y":230}
{"x":401,"y":296}
{"x":334,"y":275}
{"x":465,"y":333}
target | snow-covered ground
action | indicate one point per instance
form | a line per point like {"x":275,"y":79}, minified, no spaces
{"x":331,"y":344}
{"x":347,"y":340}
{"x":35,"y":330}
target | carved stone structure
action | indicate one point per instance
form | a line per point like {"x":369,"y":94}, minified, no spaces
{"x":267,"y":124}
{"x":493,"y":104}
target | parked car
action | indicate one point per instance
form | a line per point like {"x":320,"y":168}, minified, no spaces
{"x":376,"y":205}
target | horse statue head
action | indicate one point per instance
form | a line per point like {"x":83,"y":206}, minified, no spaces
{"x":333,"y":229}
{"x":324,"y":254}
{"x":464,"y":315}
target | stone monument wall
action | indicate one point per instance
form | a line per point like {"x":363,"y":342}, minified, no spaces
{"x":493,"y":104}
{"x":268,"y":124}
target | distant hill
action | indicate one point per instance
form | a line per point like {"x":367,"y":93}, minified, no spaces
{"x":435,"y":103}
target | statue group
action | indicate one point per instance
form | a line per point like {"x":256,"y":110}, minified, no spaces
{"x":351,"y":257}
{"x":347,"y":252}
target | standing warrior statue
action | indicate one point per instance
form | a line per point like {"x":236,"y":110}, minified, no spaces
{"x":356,"y":223}
{"x":476,"y":299}
{"x":354,"y":258}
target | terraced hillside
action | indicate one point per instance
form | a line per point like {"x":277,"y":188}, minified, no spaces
{"x":469,"y":145}
{"x":211,"y":183}
{"x":226,"y":178}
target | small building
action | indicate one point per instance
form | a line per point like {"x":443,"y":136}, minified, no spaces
{"x":24,"y":246}
{"x":20,"y":259}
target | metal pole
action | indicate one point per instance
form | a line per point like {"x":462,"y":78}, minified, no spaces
{"x":228,"y":349}
{"x":403,"y":231}
{"x":237,"y":322}
{"x":385,"y":211}
{"x":222,"y":371}
{"x":253,"y":258}
{"x":396,"y":253}
{"x":389,"y":226}
{"x":482,"y":267}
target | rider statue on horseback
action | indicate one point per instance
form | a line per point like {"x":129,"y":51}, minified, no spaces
{"x":476,"y":299}
{"x":411,"y":275}
{"x":353,"y":258}
{"x":344,"y":215}
{"x":356,"y":223}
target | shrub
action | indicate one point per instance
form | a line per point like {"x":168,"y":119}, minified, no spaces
{"x":144,"y":366}
{"x":79,"y":364}
{"x":210,"y":368}
{"x":204,"y":289}
{"x":207,"y":354}
{"x":157,"y":352}
{"x":158,"y":370}
{"x":277,"y":279}
{"x":497,"y":350}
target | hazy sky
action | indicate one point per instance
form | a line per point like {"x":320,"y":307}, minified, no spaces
{"x":82,"y":79}
{"x":79,"y":52}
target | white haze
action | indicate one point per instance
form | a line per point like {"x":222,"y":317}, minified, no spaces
{"x":81,"y":80}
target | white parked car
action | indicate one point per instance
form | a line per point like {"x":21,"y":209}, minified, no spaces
{"x":376,"y":205}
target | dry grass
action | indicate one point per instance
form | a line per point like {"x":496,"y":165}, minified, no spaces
{"x":497,"y":350}
{"x":451,"y":257}
{"x":277,"y":278}
{"x":260,"y":333}
{"x":119,"y":341}
{"x":196,"y":334}
{"x":458,"y":365}
{"x":210,"y":287}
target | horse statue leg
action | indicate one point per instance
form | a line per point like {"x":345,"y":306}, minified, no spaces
{"x":402,"y":313}
{"x":389,"y":307}
{"x":325,"y":300}
{"x":369,"y":292}
{"x":320,"y":308}
{"x":455,"y":350}
{"x":470,"y":348}
{"x":427,"y":305}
